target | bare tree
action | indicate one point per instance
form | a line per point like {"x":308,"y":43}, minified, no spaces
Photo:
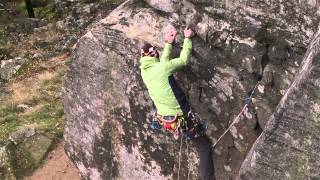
{"x":29,"y":8}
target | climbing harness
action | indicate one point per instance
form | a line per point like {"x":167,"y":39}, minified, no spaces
{"x":174,"y":124}
{"x":247,"y":102}
{"x":178,"y":126}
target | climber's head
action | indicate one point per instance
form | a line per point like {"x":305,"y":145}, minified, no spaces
{"x":149,"y":50}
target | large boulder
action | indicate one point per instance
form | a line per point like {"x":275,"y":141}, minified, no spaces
{"x":107,"y":107}
{"x":289,"y":146}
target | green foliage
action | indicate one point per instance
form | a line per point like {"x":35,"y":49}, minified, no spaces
{"x":22,"y":70}
{"x":317,"y":94}
{"x":52,"y":85}
{"x":44,"y":12}
{"x":21,"y":7}
{"x":5,"y":43}
{"x":8,"y":120}
{"x":50,"y":114}
{"x":116,"y":2}
{"x":9,"y":123}
{"x":4,"y":53}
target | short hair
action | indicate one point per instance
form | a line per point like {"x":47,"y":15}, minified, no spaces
{"x":146,"y":48}
{"x":149,"y":50}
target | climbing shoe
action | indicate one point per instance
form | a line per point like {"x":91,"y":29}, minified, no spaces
{"x":201,"y":128}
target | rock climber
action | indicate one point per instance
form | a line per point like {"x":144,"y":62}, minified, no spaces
{"x":173,"y":111}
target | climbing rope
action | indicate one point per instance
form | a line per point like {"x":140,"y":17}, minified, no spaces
{"x":181,"y":155}
{"x":188,"y":157}
{"x":248,"y":100}
{"x":179,"y":158}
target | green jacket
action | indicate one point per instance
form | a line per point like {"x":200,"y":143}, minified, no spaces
{"x":155,"y":75}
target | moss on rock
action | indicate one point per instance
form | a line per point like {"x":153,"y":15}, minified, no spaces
{"x":29,"y":154}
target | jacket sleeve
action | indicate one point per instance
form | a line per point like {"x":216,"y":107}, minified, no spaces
{"x":183,"y":60}
{"x":166,"y":52}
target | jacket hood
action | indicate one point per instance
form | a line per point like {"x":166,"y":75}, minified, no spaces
{"x":147,"y":61}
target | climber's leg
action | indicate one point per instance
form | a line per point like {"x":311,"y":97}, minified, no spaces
{"x":203,"y":147}
{"x":201,"y":142}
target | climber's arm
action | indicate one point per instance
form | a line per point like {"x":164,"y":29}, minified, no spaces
{"x":166,"y":52}
{"x":183,"y":59}
{"x":168,"y":46}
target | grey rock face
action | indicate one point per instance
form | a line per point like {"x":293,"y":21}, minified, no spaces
{"x":169,"y":6}
{"x":289,"y":148}
{"x":107,"y":108}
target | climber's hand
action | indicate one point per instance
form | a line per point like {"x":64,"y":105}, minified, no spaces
{"x":188,"y":33}
{"x":171,"y":36}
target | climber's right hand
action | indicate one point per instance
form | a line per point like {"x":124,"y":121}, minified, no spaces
{"x":171,"y":36}
{"x":188,"y":33}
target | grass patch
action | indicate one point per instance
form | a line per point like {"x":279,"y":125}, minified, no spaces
{"x":317,"y":94}
{"x":8,"y":120}
{"x":5,"y":45}
{"x":27,"y":68}
{"x":47,"y":109}
{"x":44,"y":12}
{"x":21,"y":7}
{"x":48,"y":117}
{"x":10,"y":125}
{"x":4,"y":52}
{"x":51,"y":86}
{"x":24,"y":68}
{"x":116,"y":1}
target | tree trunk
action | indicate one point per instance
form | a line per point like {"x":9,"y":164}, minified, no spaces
{"x":29,"y":8}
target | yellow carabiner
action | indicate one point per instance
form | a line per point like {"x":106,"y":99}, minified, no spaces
{"x":173,"y":125}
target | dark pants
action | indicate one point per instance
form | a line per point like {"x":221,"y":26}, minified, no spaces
{"x":203,"y":147}
{"x":202,"y":143}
